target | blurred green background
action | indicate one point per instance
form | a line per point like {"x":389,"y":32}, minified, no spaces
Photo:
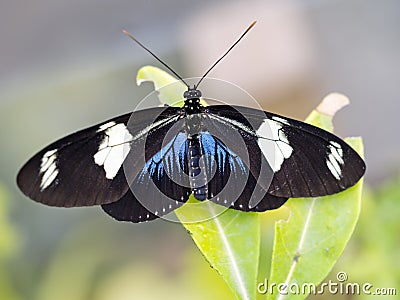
{"x":65,"y":65}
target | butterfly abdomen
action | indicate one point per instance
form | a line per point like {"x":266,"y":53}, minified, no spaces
{"x":197,"y":169}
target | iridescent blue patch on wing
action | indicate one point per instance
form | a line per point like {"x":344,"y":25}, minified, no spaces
{"x":167,"y":159}
{"x":216,"y":152}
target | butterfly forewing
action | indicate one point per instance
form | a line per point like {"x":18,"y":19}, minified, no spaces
{"x":307,"y":162}
{"x":85,"y":168}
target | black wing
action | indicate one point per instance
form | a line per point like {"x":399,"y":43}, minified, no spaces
{"x":85,"y":168}
{"x":231,"y":183}
{"x":129,"y":209}
{"x":306,"y":160}
{"x":160,"y":187}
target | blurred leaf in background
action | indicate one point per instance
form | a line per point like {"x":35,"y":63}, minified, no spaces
{"x":373,"y":254}
{"x":8,"y":246}
{"x":122,"y":265}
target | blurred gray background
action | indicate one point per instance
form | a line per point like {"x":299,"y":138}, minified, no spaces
{"x":65,"y":65}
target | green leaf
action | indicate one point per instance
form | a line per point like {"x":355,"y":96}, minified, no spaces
{"x":309,"y":243}
{"x":229,"y":242}
{"x":8,"y":245}
{"x":8,"y":235}
{"x":170,"y":89}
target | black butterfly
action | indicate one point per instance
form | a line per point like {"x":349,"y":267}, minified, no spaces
{"x":143,"y":165}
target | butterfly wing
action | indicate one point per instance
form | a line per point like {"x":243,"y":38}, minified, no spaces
{"x":160,"y":187}
{"x":130,"y":209}
{"x":306,"y":160}
{"x":230,"y":180}
{"x":85,"y":168}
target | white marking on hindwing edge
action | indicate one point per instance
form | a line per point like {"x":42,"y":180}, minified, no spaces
{"x":48,"y":168}
{"x":113,"y":149}
{"x":273,"y":143}
{"x":335,"y":160}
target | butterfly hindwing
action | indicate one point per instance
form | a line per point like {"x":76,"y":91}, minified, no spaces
{"x":254,"y":198}
{"x":225,"y":169}
{"x":231,"y":183}
{"x":165,"y":173}
{"x":130,"y":209}
{"x":161,"y":185}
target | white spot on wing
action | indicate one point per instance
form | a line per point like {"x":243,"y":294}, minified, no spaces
{"x":113,"y":149}
{"x":336,"y":151}
{"x":334,"y":144}
{"x":335,"y":172}
{"x":338,"y":157}
{"x":48,"y":168}
{"x":335,"y":160}
{"x":273,"y":143}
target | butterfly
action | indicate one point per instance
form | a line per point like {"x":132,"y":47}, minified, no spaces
{"x":143,"y":165}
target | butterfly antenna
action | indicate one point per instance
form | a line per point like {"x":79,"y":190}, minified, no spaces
{"x":222,"y":57}
{"x":156,"y":57}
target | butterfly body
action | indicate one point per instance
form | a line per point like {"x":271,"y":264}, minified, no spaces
{"x":193,"y":124}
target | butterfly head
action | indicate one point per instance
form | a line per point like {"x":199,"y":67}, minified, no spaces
{"x":192,"y":101}
{"x":192,"y":93}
